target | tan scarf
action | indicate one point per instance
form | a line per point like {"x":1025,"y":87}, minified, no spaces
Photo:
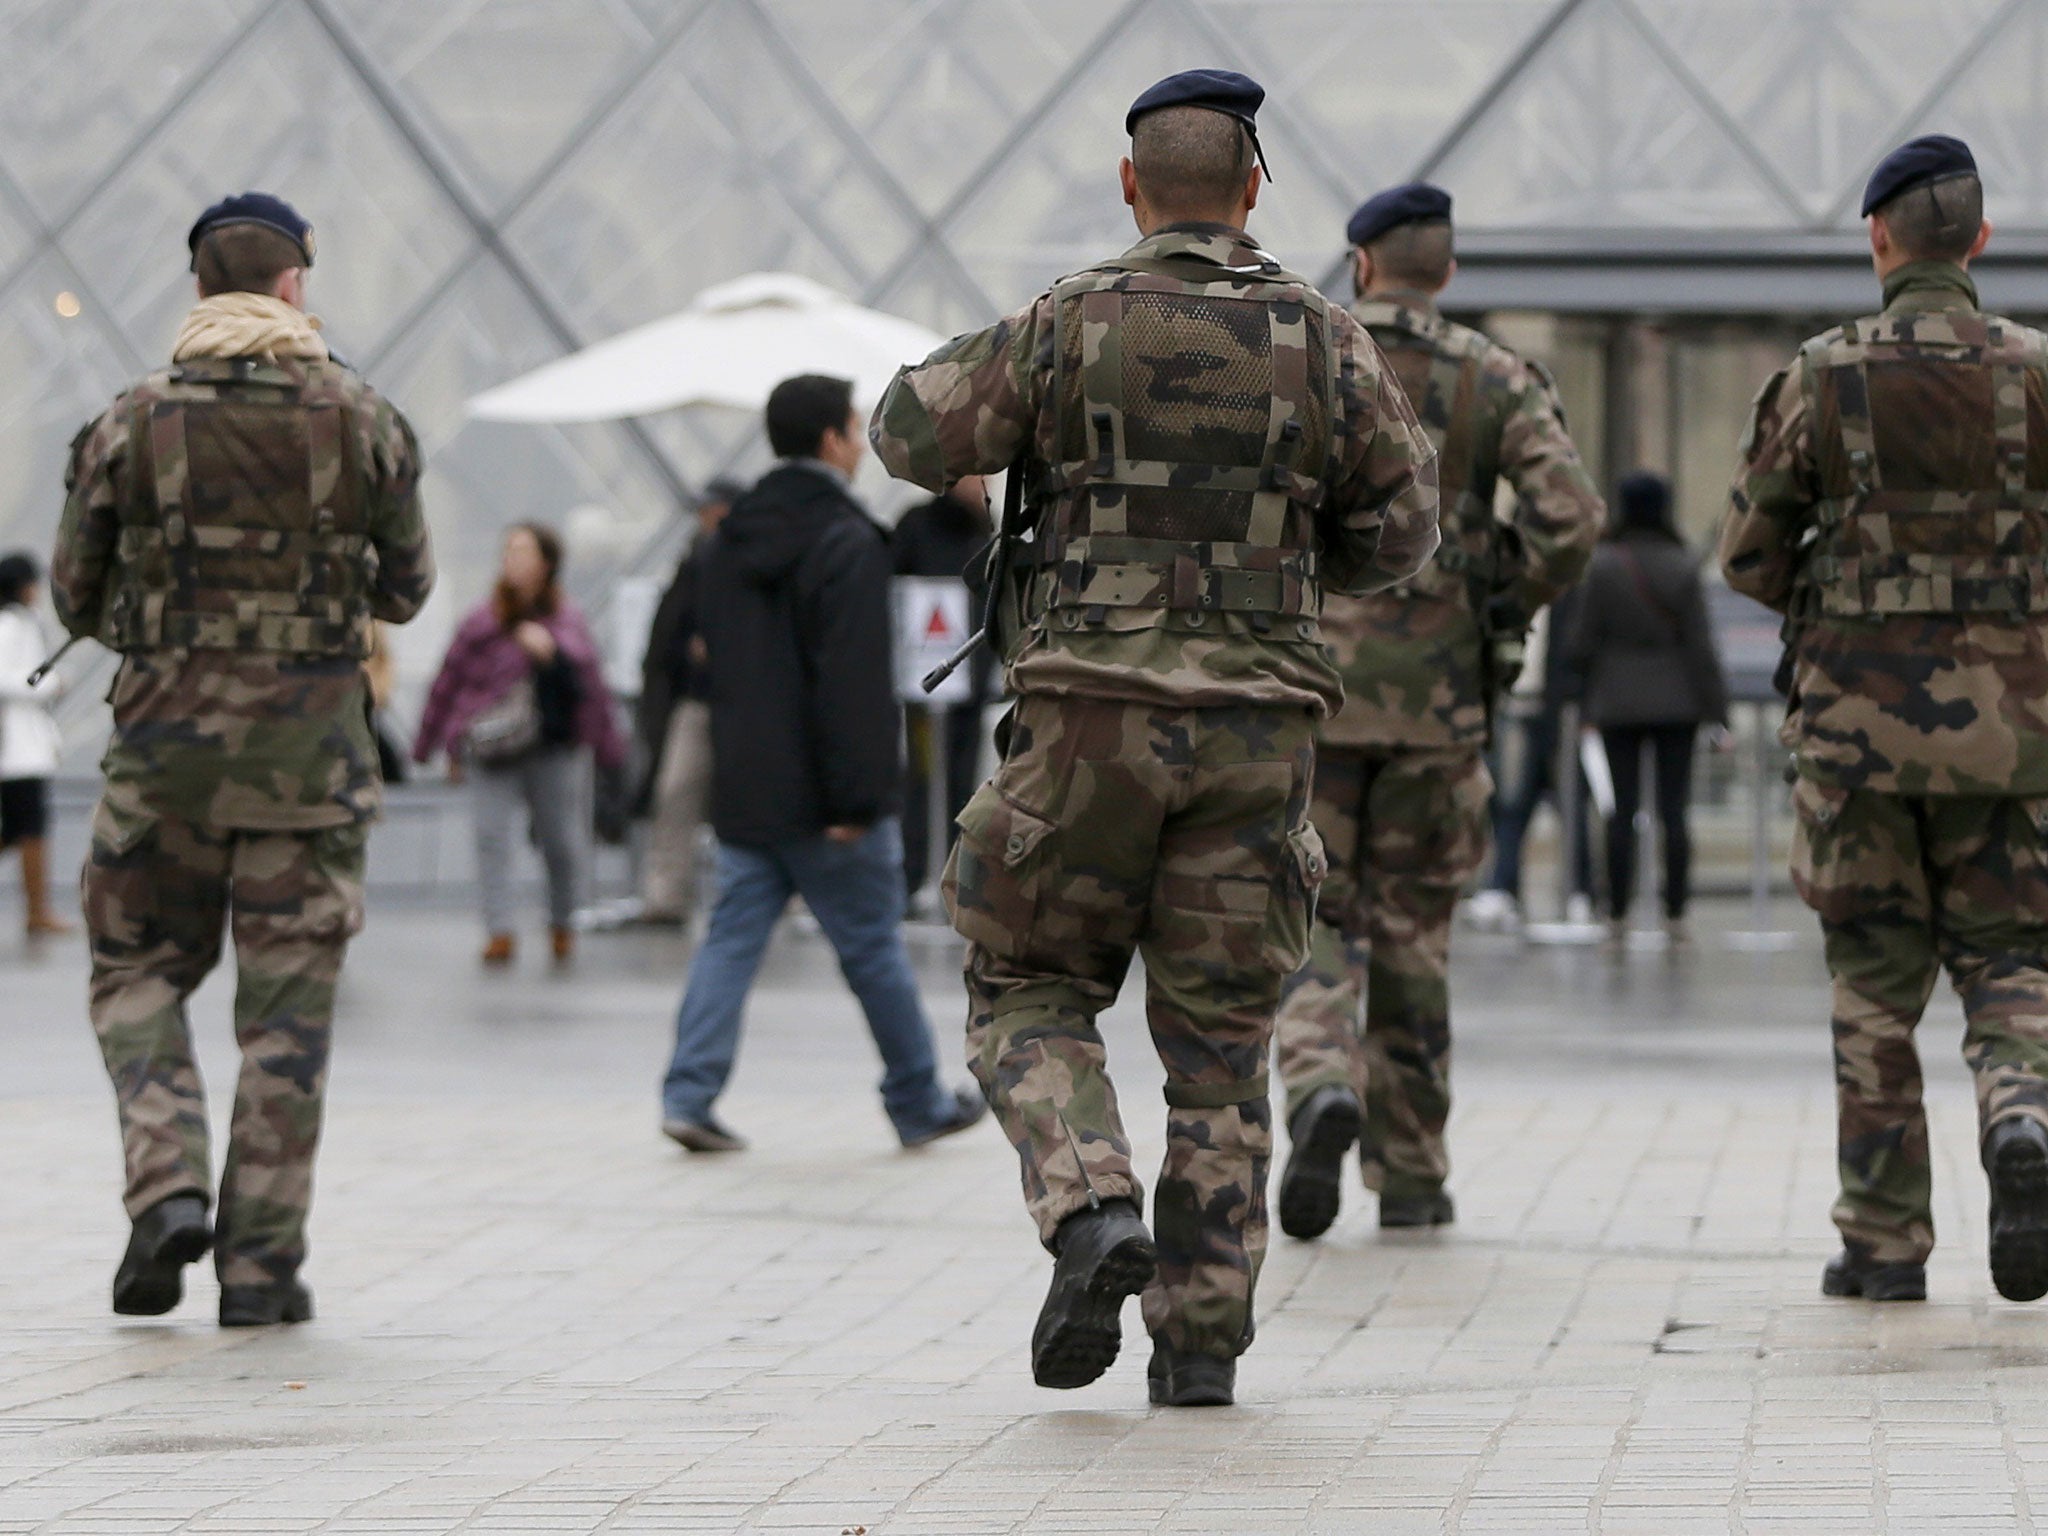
{"x":247,"y":325}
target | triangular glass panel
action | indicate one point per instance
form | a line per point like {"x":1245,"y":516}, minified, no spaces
{"x":719,"y":165}
{"x":1996,"y":106}
{"x":386,"y":229}
{"x":86,"y":76}
{"x":1376,"y":84}
{"x":1819,"y":84}
{"x":58,"y":370}
{"x":503,"y":83}
{"x":1598,"y":132}
{"x":936,"y":87}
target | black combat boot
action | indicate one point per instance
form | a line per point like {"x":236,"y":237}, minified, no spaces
{"x":258,"y":1306}
{"x":1430,"y":1210}
{"x":1105,"y":1255}
{"x":1853,"y":1272}
{"x":1179,"y":1378}
{"x":166,"y":1237}
{"x":1321,"y":1131}
{"x":2016,"y":1159}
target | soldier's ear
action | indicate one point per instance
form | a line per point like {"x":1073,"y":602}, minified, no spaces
{"x":1127,"y":173}
{"x":1252,"y":183}
{"x":1880,"y":237}
{"x":1983,"y":239}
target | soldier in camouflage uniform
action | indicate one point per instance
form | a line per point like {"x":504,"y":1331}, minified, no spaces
{"x":233,"y":525}
{"x":1402,"y":788}
{"x":1893,"y":504}
{"x":1206,"y":445}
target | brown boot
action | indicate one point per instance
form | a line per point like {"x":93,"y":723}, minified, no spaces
{"x":564,"y":942}
{"x":500,"y":950}
{"x":35,"y":888}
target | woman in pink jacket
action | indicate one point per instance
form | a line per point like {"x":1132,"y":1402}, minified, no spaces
{"x":519,"y":699}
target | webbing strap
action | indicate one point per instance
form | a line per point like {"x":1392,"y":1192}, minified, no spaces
{"x":1859,"y":434}
{"x":1450,"y":383}
{"x":1216,"y":1095}
{"x":250,"y":626}
{"x":171,"y":464}
{"x":328,"y":466}
{"x":1164,"y":474}
{"x":2009,"y":426}
{"x":1288,"y":355}
{"x":1102,"y":400}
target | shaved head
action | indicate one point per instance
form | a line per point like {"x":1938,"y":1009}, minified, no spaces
{"x":1191,"y":163}
{"x":1936,"y":222}
{"x":1414,"y":255}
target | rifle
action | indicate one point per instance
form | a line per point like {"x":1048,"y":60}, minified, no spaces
{"x":49,"y":665}
{"x":996,"y":569}
{"x":1799,"y":614}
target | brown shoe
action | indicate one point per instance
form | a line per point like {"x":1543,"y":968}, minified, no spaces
{"x":43,"y":921}
{"x":563,"y":942}
{"x":500,"y":950}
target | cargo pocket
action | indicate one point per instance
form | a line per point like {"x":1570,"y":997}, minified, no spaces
{"x":993,"y":879}
{"x":1817,"y":872}
{"x":1290,"y":914}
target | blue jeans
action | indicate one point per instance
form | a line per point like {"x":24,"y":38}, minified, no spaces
{"x":855,"y":890}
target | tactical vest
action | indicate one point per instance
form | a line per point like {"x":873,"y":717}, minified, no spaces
{"x":1441,"y":367}
{"x":1195,"y":437}
{"x":1933,"y":489}
{"x":243,"y":527}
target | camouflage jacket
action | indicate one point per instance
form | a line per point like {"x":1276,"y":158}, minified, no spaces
{"x":1900,"y":702}
{"x":265,"y":740}
{"x":1414,"y":656}
{"x":985,"y":400}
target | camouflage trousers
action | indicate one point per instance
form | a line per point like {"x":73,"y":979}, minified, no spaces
{"x":1405,"y":832}
{"x":1182,"y":835}
{"x":158,"y":893}
{"x":1905,"y":885}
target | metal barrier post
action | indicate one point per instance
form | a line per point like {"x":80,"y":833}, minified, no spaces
{"x":1759,"y":937}
{"x":1571,"y":813}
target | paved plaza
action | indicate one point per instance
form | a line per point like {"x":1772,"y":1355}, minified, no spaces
{"x":535,"y":1315}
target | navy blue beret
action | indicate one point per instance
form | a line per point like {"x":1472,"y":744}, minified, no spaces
{"x":1921,"y":162}
{"x":254,"y":208}
{"x":1214,"y":90}
{"x":1408,"y":204}
{"x":1219,"y":90}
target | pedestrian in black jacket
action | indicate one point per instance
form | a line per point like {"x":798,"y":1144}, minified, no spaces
{"x":942,"y":540}
{"x":793,"y":610}
{"x":1644,"y":647}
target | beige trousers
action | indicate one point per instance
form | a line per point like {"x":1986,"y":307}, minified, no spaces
{"x":682,"y":798}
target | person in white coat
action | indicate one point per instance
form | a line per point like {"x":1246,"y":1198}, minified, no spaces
{"x":29,"y":739}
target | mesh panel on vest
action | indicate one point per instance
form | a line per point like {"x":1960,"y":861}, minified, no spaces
{"x":1195,"y":422}
{"x":244,"y":528}
{"x":1932,"y":461}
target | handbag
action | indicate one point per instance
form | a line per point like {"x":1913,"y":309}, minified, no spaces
{"x":508,"y":729}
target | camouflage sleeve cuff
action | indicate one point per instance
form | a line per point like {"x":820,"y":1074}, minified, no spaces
{"x":905,"y":437}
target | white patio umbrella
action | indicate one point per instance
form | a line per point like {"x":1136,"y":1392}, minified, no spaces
{"x":730,"y":347}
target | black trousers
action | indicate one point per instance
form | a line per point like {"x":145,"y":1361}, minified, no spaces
{"x":1671,"y":745}
{"x":953,"y":736}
